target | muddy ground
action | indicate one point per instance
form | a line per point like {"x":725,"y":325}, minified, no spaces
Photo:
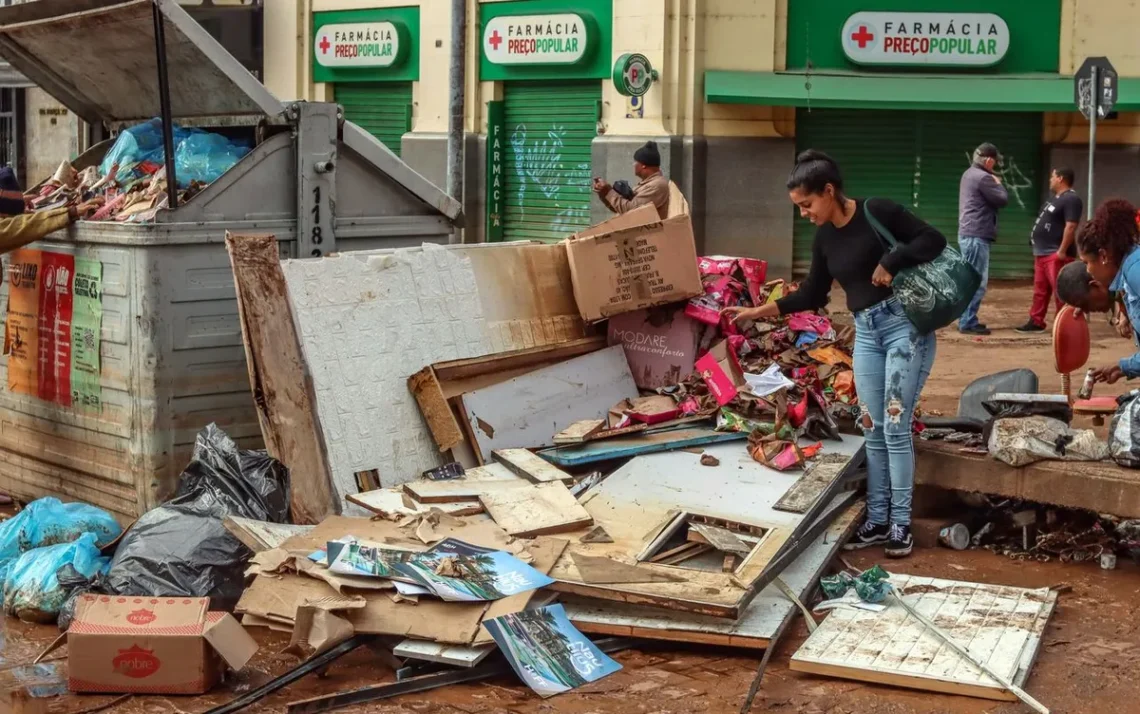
{"x":1087,"y":663}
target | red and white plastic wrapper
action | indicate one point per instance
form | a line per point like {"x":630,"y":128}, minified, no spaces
{"x":719,"y":293}
{"x":752,"y":270}
{"x":810,"y":322}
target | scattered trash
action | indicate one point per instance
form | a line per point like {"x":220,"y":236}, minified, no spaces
{"x":709,"y":460}
{"x":1022,"y":441}
{"x":955,"y":536}
{"x":33,"y":590}
{"x":871,"y":585}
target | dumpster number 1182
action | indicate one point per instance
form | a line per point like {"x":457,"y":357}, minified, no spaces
{"x":316,"y":234}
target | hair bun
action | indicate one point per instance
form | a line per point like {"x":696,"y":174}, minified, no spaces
{"x":814,"y":155}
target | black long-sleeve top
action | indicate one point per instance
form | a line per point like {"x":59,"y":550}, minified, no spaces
{"x":850,"y":255}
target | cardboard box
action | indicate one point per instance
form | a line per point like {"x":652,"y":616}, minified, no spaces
{"x":721,"y":371}
{"x":631,"y":262}
{"x":660,"y":344}
{"x":146,"y":645}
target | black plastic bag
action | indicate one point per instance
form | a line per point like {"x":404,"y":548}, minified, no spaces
{"x":182,"y":547}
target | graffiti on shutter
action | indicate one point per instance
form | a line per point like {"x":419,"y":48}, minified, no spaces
{"x":538,"y":162}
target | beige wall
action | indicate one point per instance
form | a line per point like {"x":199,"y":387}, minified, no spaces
{"x":52,"y":135}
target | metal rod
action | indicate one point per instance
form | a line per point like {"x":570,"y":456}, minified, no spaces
{"x":317,"y":663}
{"x":1092,"y":133}
{"x":164,"y":103}
{"x":456,"y":103}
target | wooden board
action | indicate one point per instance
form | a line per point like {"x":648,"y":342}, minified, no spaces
{"x":468,"y":488}
{"x":282,"y":390}
{"x":525,"y":464}
{"x":999,"y":625}
{"x":720,"y":538}
{"x":396,"y":503}
{"x":759,"y":622}
{"x":538,"y":510}
{"x":1100,"y":487}
{"x":579,"y":431}
{"x":637,"y":445}
{"x":454,"y":655}
{"x":528,"y":410}
{"x":261,"y":535}
{"x":819,"y":474}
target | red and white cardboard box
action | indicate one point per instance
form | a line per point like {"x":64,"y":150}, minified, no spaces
{"x":720,"y":368}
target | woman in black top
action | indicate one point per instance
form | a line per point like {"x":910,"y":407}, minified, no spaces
{"x":892,"y":360}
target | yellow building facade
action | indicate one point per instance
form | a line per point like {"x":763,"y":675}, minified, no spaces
{"x":898,"y":91}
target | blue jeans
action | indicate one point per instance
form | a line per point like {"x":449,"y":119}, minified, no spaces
{"x":892,"y":362}
{"x":976,"y":252}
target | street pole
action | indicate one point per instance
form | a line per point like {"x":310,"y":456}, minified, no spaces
{"x":458,"y":83}
{"x":164,"y":106}
{"x":1092,"y":134}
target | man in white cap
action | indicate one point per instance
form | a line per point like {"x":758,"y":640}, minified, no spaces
{"x":653,"y":187}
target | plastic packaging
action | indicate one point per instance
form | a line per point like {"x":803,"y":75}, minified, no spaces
{"x":32,"y":588}
{"x":1124,"y":431}
{"x":204,"y":156}
{"x":48,"y":521}
{"x":198,"y":155}
{"x":182,"y":548}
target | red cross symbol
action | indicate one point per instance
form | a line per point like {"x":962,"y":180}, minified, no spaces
{"x":862,"y":36}
{"x":496,"y":40}
{"x":324,"y":45}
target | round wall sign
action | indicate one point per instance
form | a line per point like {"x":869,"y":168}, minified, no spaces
{"x":633,"y":75}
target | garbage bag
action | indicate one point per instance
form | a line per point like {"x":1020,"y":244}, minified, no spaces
{"x":205,"y":156}
{"x":33,"y":590}
{"x":1124,"y":431}
{"x":137,"y":144}
{"x":182,"y":547}
{"x":48,"y":521}
{"x":1023,"y":441}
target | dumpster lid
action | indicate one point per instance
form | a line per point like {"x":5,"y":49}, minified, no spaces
{"x":98,"y":58}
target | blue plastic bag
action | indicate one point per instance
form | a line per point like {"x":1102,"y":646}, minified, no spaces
{"x":32,"y":591}
{"x":139,"y":143}
{"x":204,"y":156}
{"x":47,"y":521}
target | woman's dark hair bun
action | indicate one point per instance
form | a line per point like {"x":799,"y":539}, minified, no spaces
{"x":813,"y":171}
{"x":814,"y":155}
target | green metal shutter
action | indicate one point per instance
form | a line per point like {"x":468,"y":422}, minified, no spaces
{"x":874,"y":149}
{"x":550,"y":127}
{"x":383,"y":109}
{"x":946,"y":143}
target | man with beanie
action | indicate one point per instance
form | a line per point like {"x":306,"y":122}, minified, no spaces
{"x":653,"y":187}
{"x":980,"y":195}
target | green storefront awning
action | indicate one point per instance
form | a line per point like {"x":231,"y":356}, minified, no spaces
{"x":1038,"y":93}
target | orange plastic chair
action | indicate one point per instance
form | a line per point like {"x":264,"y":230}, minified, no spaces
{"x":1070,"y":353}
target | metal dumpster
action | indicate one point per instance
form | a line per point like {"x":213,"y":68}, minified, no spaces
{"x":170,"y":355}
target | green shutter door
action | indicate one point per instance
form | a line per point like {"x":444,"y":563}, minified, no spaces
{"x":550,"y":127}
{"x":875,"y":150}
{"x":946,"y":143}
{"x":383,"y":109}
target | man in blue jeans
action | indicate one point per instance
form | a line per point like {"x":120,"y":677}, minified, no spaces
{"x":980,"y":195}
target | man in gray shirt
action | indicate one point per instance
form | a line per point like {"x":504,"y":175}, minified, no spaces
{"x":980,"y":195}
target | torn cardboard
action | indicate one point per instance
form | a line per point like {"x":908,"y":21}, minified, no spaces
{"x":721,"y":371}
{"x":631,"y":262}
{"x":152,"y":645}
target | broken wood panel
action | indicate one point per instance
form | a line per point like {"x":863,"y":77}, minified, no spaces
{"x":579,"y":431}
{"x":758,"y":623}
{"x":994,"y":623}
{"x":395,"y":503}
{"x":719,"y":538}
{"x":530,"y":409}
{"x":262,"y":535}
{"x":815,"y":480}
{"x":282,"y":389}
{"x":538,"y":510}
{"x":435,"y":385}
{"x":524,"y":463}
{"x":637,"y":445}
{"x":474,"y":482}
{"x":454,"y":655}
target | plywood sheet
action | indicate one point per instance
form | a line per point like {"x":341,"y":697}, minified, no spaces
{"x":999,"y":625}
{"x":816,"y":478}
{"x":540,"y":509}
{"x":474,"y":482}
{"x":396,"y":503}
{"x":759,"y":622}
{"x":528,"y":410}
{"x":531,"y":467}
{"x":261,"y":535}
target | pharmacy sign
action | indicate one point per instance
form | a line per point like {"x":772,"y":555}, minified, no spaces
{"x":559,"y":39}
{"x":364,"y":44}
{"x":947,"y":39}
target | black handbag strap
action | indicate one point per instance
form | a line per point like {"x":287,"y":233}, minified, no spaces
{"x":877,"y":225}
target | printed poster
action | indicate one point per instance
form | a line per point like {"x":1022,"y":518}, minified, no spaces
{"x":52,"y":333}
{"x":460,"y":572}
{"x":547,"y":652}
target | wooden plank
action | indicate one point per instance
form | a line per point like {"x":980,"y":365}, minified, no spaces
{"x":687,"y":554}
{"x":531,"y":467}
{"x":995,"y":624}
{"x":261,"y":535}
{"x":720,"y":538}
{"x":637,"y":445}
{"x":538,"y":510}
{"x":468,"y":488}
{"x":1101,"y":487}
{"x":819,"y":474}
{"x":282,"y":389}
{"x":528,"y":410}
{"x":454,"y":655}
{"x":683,"y":549}
{"x":579,"y":431}
{"x":593,"y":569}
{"x":396,"y":503}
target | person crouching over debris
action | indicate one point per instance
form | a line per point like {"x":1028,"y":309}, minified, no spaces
{"x":1077,"y":288}
{"x":653,"y":187}
{"x":892,"y":360}
{"x":1107,"y":246}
